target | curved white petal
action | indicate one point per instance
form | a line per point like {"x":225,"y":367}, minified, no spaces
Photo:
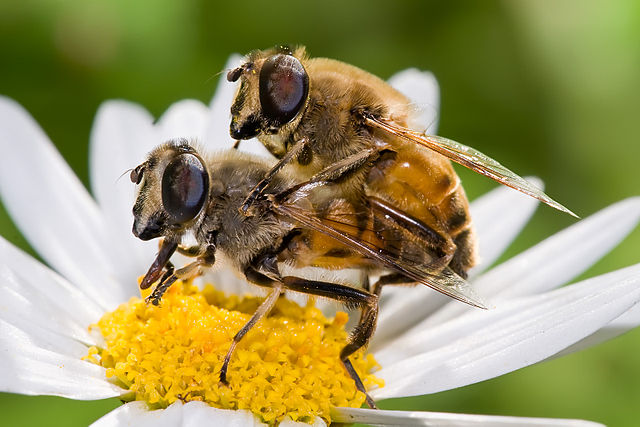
{"x":624,"y":323}
{"x":288,"y":422}
{"x":498,"y":217}
{"x":198,"y":414}
{"x":217,"y":133}
{"x":192,"y":414}
{"x":42,"y":323}
{"x":184,"y":119}
{"x":73,"y":310}
{"x":429,"y":338}
{"x":483,"y":345}
{"x":26,"y":368}
{"x":421,"y":87}
{"x":121,"y":137}
{"x":555,"y":260}
{"x":564,"y":255}
{"x":138,"y":414}
{"x":33,"y":313}
{"x":52,"y":208}
{"x":442,"y":419}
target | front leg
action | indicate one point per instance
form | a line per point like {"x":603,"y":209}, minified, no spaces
{"x":332,"y":173}
{"x":262,"y":185}
{"x":189,"y":271}
{"x":258,"y":278}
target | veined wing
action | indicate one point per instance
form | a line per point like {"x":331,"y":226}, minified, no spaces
{"x":470,"y":158}
{"x":445,"y":281}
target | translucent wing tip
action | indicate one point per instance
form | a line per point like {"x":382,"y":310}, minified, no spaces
{"x":449,"y":283}
{"x":542,"y":196}
{"x":561,"y":208}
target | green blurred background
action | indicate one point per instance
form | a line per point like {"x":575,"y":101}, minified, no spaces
{"x":549,"y":88}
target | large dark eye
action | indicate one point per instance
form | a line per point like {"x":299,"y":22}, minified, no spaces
{"x":185,"y":184}
{"x":284,"y":86}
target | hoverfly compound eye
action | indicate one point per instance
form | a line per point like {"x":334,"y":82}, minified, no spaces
{"x":284,"y":86}
{"x":185,"y":185}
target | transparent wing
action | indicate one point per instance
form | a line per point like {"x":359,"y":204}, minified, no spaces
{"x":470,"y":158}
{"x":445,"y":281}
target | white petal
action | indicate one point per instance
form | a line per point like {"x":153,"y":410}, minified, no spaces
{"x":407,"y":308}
{"x":197,"y":414}
{"x":624,"y":323}
{"x":287,"y":422}
{"x":71,"y":310}
{"x":121,"y":137}
{"x":26,"y":368}
{"x":38,"y":317}
{"x":407,"y":418}
{"x":421,"y":87}
{"x":564,"y":255}
{"x":217,"y":134}
{"x":54,"y":341}
{"x":137,"y":414}
{"x":498,"y":217}
{"x":483,"y":345}
{"x":184,"y":119}
{"x":177,"y":414}
{"x":52,"y":208}
{"x":554,"y":261}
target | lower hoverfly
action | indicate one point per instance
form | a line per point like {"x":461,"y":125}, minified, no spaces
{"x":183,"y":193}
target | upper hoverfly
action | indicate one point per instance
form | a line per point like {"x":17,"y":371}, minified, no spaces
{"x":317,"y":113}
{"x":183,"y":193}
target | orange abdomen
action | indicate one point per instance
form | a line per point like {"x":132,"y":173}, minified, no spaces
{"x":424,"y":185}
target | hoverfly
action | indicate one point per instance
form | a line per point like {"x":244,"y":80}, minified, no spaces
{"x":317,"y":113}
{"x":184,"y":194}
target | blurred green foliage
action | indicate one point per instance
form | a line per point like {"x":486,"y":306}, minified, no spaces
{"x":548,"y":88}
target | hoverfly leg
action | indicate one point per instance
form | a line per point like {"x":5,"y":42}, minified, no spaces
{"x":187,"y":272}
{"x":338,"y":170}
{"x":159,"y":290}
{"x":191,"y":251}
{"x":258,"y":278}
{"x":390,"y":279}
{"x":353,"y":163}
{"x":262,"y":185}
{"x":168,"y":273}
{"x":360,"y":338}
{"x":352,"y":298}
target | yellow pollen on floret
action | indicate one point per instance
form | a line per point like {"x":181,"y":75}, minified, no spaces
{"x":288,"y":364}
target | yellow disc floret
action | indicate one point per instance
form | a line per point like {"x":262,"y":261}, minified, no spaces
{"x":288,"y":364}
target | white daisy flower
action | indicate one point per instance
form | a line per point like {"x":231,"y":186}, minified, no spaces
{"x":425,"y":343}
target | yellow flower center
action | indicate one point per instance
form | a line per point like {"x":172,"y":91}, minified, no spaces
{"x":288,"y":364}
